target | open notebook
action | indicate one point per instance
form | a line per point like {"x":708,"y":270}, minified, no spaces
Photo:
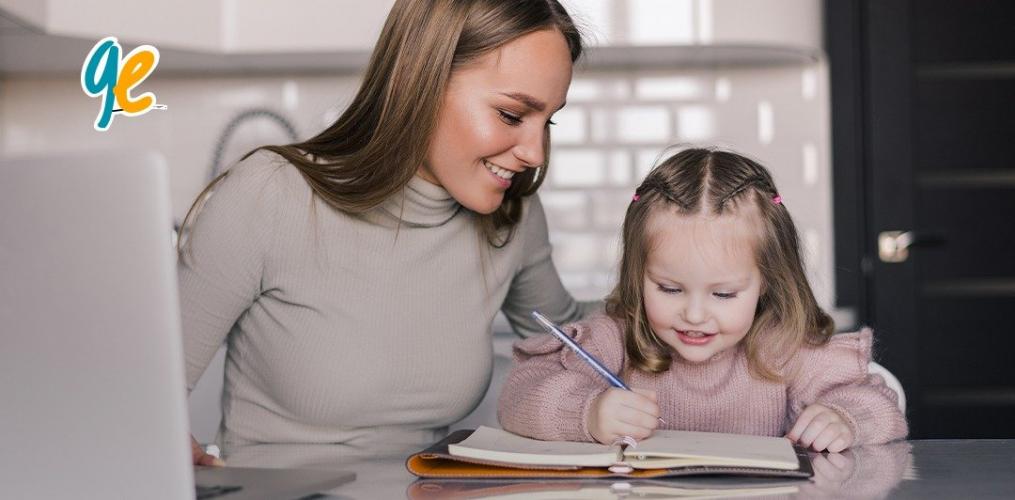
{"x":488,"y":452}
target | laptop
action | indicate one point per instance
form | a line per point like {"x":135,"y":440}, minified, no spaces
{"x":92,"y":388}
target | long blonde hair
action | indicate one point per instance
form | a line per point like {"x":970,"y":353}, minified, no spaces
{"x":376,"y":146}
{"x":721,"y":182}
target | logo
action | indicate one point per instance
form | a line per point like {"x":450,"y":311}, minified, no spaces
{"x":107,"y":76}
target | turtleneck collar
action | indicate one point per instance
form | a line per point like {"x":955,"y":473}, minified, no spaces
{"x":421,"y":204}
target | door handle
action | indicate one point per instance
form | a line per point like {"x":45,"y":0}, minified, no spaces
{"x":893,"y":246}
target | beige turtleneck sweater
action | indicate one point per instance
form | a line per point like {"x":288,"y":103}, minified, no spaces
{"x":363,"y":331}
{"x":550,"y":389}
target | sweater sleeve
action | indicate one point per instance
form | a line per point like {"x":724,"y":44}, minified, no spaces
{"x":836,"y":375}
{"x":550,"y":389}
{"x":536,"y":285}
{"x":221,"y":264}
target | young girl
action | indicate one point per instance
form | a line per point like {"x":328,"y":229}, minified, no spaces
{"x":713,"y":325}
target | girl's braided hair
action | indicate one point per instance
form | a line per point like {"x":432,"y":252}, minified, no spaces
{"x":716,"y":183}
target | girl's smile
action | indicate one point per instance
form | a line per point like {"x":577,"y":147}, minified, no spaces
{"x":695,"y":338}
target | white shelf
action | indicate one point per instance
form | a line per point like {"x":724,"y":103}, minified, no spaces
{"x":51,"y":54}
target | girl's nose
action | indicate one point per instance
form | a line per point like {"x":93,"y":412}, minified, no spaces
{"x":694,"y":312}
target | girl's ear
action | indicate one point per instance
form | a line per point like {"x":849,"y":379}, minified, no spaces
{"x":763,"y":294}
{"x":763,"y":286}
{"x":761,"y":275}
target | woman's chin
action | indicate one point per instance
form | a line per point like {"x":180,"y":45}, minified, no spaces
{"x":485,"y":206}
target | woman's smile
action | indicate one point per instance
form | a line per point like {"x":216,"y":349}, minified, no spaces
{"x":501,"y":175}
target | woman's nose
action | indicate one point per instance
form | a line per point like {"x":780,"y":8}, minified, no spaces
{"x":531,"y":148}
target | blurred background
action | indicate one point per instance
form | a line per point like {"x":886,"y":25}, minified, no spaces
{"x":885,"y":123}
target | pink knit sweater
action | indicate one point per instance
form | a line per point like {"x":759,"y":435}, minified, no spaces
{"x":550,"y":389}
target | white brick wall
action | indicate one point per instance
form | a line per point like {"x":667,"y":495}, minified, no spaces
{"x":614,"y":128}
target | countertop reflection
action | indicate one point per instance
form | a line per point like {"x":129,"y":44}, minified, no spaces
{"x":911,"y":469}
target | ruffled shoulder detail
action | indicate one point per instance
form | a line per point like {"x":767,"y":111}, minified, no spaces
{"x":843,"y":360}
{"x":598,"y":334}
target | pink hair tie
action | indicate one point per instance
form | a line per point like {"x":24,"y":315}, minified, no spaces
{"x":635,"y":197}
{"x":777,"y":200}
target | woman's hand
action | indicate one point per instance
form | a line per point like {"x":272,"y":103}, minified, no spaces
{"x":202,"y":458}
{"x":821,"y":428}
{"x":617,"y":413}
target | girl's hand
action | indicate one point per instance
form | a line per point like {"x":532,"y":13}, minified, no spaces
{"x":832,"y":474}
{"x":617,"y":413}
{"x":821,"y":428}
{"x":202,"y":458}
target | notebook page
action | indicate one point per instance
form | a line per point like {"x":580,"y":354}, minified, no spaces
{"x":758,"y":451}
{"x":502,"y":446}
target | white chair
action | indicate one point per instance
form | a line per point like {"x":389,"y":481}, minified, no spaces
{"x":890,"y":381}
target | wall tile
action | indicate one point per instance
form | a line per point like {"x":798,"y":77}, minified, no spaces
{"x":660,"y":22}
{"x":573,"y":168}
{"x":673,"y":88}
{"x":695,"y":123}
{"x":640,"y":124}
{"x":571,"y":126}
{"x":565,"y":210}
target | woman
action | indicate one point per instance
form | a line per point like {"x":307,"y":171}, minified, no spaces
{"x":354,"y":277}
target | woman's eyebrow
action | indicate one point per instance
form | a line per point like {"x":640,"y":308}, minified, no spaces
{"x":528,"y":100}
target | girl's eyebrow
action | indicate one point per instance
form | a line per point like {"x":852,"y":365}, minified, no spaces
{"x":735,"y":282}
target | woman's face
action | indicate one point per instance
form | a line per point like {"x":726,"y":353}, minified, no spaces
{"x":495,"y":117}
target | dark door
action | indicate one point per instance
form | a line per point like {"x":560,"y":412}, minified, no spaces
{"x":925,"y":114}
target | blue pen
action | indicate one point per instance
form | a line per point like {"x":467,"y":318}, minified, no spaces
{"x":592,"y":361}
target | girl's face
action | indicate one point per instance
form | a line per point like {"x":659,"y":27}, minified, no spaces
{"x":701,"y":284}
{"x":495,"y":116}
